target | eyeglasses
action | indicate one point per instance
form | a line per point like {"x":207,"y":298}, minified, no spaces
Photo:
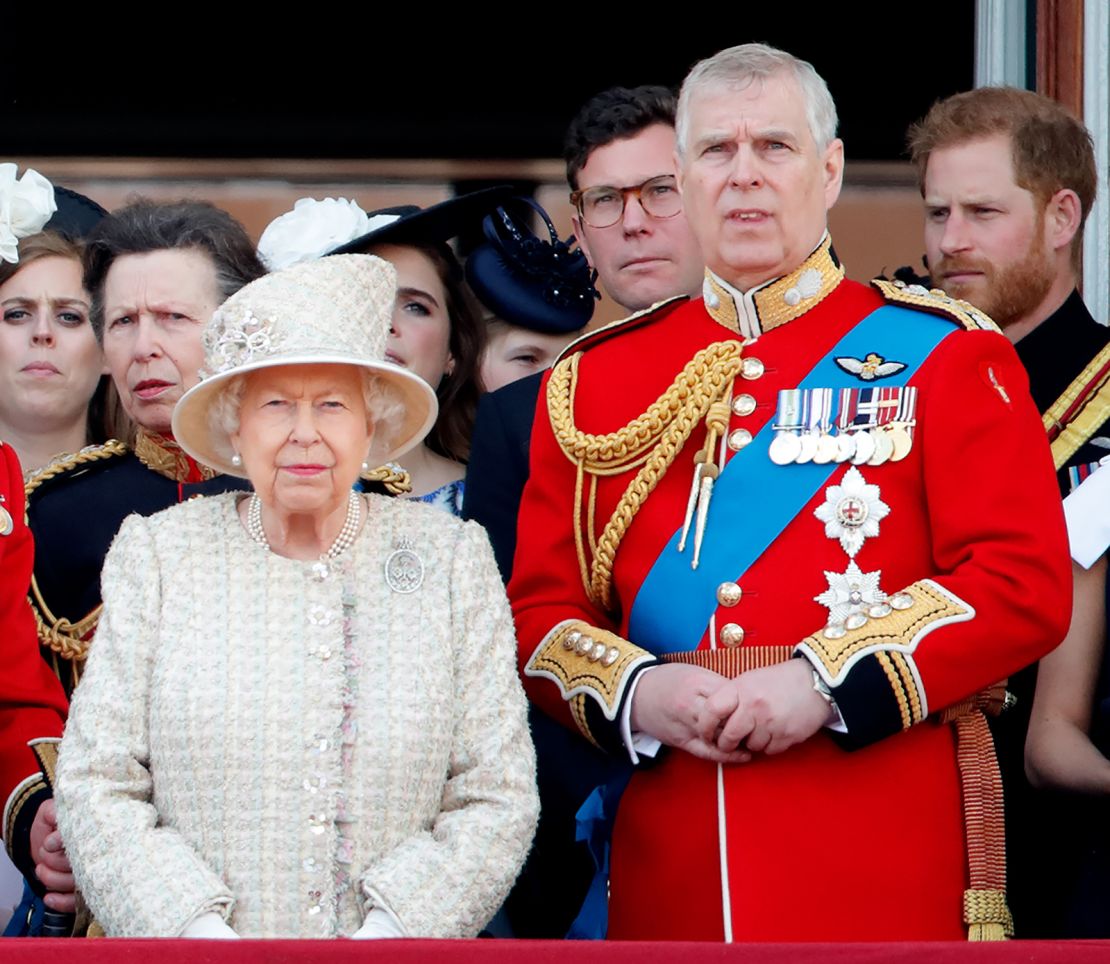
{"x":603,"y":206}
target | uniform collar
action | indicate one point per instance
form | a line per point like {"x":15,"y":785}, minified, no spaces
{"x":163,"y":455}
{"x":773,"y":303}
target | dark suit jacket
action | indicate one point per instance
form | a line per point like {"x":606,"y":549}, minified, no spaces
{"x":498,"y":466}
{"x":550,"y":889}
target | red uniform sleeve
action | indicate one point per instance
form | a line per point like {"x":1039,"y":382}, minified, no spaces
{"x":999,"y":595}
{"x":32,"y":702}
{"x":574,"y":665}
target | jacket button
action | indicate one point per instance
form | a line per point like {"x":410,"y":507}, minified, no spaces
{"x":743,"y":404}
{"x":732,"y":635}
{"x":728,"y":594}
{"x":752,"y":368}
{"x":738,"y":438}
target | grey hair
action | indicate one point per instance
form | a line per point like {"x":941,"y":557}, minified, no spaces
{"x":384,"y":409}
{"x":738,"y":67}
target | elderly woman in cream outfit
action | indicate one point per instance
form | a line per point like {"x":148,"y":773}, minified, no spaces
{"x":301,"y":715}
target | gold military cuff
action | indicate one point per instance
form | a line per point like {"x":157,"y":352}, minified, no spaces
{"x":587,"y":663}
{"x":26,"y":791}
{"x":893,"y":638}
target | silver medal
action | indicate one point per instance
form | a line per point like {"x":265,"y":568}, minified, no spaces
{"x":884,"y":448}
{"x":865,"y":447}
{"x":808,"y":448}
{"x":845,"y":446}
{"x":784,"y":448}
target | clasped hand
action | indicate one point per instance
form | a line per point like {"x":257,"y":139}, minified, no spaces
{"x":727,"y":720}
{"x":51,"y":863}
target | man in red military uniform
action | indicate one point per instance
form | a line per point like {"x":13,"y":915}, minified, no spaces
{"x":32,"y":707}
{"x":756,"y":533}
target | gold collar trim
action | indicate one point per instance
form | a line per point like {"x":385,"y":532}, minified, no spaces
{"x":166,"y":457}
{"x":755,"y":312}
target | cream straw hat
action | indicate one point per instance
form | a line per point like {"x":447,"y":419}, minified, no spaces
{"x":331,"y":311}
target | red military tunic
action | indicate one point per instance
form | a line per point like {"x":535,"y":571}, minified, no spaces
{"x":32,"y":704}
{"x":821,"y":842}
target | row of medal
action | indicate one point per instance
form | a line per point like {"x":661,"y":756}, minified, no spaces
{"x":869,"y":427}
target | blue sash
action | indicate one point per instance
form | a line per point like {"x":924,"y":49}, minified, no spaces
{"x":754,"y":499}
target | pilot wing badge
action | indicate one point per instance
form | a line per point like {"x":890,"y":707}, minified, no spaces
{"x":870,"y":368}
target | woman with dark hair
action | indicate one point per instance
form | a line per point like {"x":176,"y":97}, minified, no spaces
{"x":54,"y":396}
{"x":51,"y":365}
{"x":155,"y":273}
{"x":52,"y":401}
{"x":437,"y":330}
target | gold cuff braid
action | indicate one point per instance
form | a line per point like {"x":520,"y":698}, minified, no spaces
{"x":932,"y":606}
{"x":586,"y":661}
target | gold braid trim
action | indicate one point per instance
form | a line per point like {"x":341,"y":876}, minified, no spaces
{"x":987,"y":915}
{"x":936,"y":302}
{"x":901,"y":631}
{"x":732,"y":662}
{"x":164,"y":456}
{"x":18,"y":800}
{"x":46,"y":752}
{"x":650,"y":442}
{"x":69,"y":640}
{"x":63,"y":463}
{"x":985,"y":911}
{"x":56,"y":633}
{"x":895,"y":681}
{"x":1075,"y":416}
{"x":395,"y":479}
{"x":587,"y":661}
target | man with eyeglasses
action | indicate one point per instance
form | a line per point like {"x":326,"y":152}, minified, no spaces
{"x":620,"y":165}
{"x":757,"y":545}
{"x":619,"y":151}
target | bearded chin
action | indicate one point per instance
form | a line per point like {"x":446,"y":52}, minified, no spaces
{"x":1018,"y":289}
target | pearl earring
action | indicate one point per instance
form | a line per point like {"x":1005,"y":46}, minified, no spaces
{"x":237,"y":460}
{"x":365,"y":466}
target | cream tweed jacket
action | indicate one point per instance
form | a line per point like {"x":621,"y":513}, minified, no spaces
{"x":202,"y":763}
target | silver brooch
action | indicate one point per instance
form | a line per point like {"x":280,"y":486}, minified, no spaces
{"x":234,"y":339}
{"x":404,"y":569}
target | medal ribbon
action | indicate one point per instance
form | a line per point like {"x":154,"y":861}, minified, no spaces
{"x":755,"y":500}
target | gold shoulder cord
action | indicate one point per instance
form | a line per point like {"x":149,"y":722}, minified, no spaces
{"x":68,"y":640}
{"x":650,"y":441}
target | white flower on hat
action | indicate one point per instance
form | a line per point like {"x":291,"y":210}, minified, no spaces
{"x":311,"y":230}
{"x":26,"y":205}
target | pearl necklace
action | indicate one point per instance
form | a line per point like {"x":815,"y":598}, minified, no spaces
{"x":343,"y":541}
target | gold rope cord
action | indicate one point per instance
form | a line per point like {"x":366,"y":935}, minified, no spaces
{"x":64,"y":463}
{"x":985,"y":911}
{"x":68,"y":640}
{"x":650,"y":442}
{"x":395,"y":479}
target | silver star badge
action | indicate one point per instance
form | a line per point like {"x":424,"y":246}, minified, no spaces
{"x":853,"y":591}
{"x":852,"y":511}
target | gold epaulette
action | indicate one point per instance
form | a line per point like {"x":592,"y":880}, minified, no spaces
{"x":636,"y":320}
{"x":62,"y":464}
{"x":1079,"y":412}
{"x":935,"y":302}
